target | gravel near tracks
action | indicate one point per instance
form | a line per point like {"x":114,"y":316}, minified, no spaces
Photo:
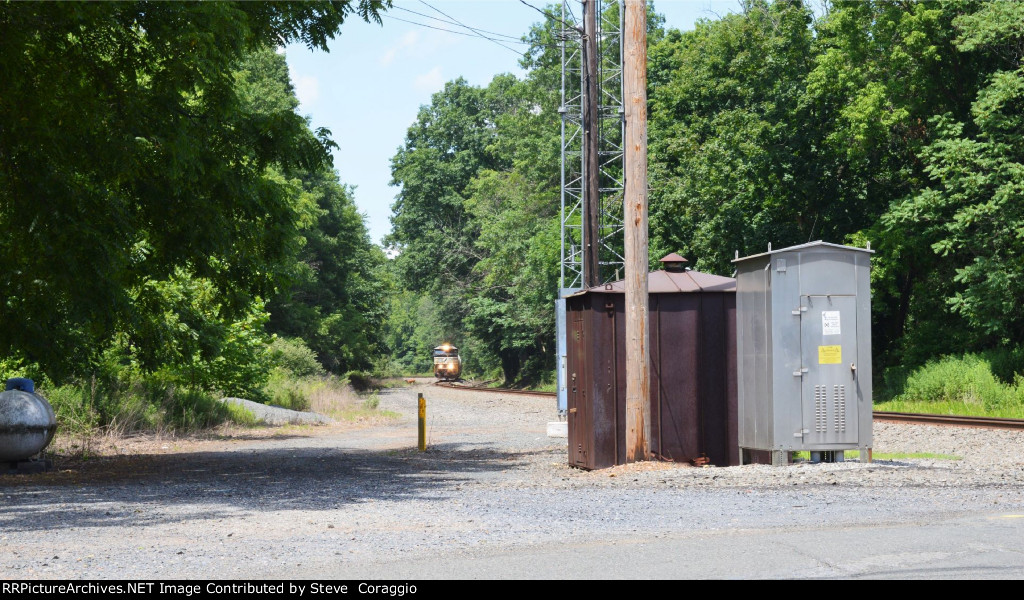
{"x":359,"y":501}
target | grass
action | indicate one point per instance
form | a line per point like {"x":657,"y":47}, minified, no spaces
{"x":964,"y":385}
{"x":92,"y":416}
{"x":88,"y":409}
{"x":339,"y":401}
{"x":952,"y":408}
{"x":855,"y":455}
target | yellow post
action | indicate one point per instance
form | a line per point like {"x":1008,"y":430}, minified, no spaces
{"x":423,"y":423}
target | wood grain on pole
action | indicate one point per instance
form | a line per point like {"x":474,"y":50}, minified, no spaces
{"x":634,"y":97}
{"x":591,"y":153}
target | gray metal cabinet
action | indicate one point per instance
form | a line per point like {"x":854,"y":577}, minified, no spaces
{"x":804,"y":350}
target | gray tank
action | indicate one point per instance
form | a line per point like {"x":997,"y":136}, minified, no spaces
{"x":27,"y":422}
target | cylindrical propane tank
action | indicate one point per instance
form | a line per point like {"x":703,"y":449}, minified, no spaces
{"x":27,"y":422}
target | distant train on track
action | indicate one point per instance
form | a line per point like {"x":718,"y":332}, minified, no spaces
{"x":447,"y":362}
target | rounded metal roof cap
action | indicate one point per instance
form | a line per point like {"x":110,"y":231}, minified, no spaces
{"x":673,"y":257}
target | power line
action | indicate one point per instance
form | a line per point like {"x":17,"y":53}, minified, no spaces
{"x":553,"y":17}
{"x":512,"y":38}
{"x":473,"y":35}
{"x":453,"y":31}
{"x":571,"y":14}
{"x":469,"y":28}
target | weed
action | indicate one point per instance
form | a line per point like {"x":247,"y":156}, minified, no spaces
{"x":957,"y":385}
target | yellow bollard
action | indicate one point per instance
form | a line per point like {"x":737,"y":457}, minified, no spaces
{"x":423,"y":423}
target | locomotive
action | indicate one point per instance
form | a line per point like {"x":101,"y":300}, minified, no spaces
{"x":447,"y":363}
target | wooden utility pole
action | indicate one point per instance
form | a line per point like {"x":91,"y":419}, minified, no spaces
{"x":634,"y":100}
{"x":591,"y":157}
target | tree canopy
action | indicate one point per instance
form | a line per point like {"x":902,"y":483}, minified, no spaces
{"x":146,"y":145}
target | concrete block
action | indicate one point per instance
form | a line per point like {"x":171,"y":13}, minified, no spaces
{"x":558,"y":429}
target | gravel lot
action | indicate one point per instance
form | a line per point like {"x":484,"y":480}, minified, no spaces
{"x":355,"y":501}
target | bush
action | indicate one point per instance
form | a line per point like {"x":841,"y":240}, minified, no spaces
{"x":74,"y":408}
{"x":285,"y":390}
{"x":137,"y":404}
{"x":1007,"y":363}
{"x":967,"y":379}
{"x":360,"y":380}
{"x":294,"y":356}
{"x":18,"y":366}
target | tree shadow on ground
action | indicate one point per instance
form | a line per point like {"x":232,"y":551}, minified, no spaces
{"x":131,"y":490}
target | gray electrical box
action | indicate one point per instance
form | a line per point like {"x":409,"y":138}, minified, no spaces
{"x":803,"y":338}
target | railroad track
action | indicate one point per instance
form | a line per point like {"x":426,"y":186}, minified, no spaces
{"x":886,"y":417}
{"x":456,"y":386}
{"x":952,"y":420}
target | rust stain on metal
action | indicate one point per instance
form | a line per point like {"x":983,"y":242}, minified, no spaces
{"x":692,"y":381}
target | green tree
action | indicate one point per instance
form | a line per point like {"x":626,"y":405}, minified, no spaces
{"x":335,"y":300}
{"x":127,"y":152}
{"x":732,"y":140}
{"x":965,"y":224}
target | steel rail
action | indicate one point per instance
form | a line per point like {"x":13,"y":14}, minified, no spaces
{"x":882,"y":416}
{"x":950,"y":420}
{"x":494,"y":390}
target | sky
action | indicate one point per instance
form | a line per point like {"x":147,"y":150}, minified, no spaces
{"x":368,"y":89}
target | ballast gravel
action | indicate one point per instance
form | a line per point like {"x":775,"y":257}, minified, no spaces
{"x":341,"y":499}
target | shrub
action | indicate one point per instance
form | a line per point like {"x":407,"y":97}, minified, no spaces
{"x":1007,"y":363}
{"x":966,"y":379}
{"x":137,"y":404}
{"x":284,"y":390}
{"x":359,"y":380}
{"x":293,"y":355}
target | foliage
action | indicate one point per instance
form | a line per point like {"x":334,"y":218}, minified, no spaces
{"x":474,"y":226}
{"x":122,"y":122}
{"x":295,"y":357}
{"x":160,"y":186}
{"x":359,"y":380}
{"x":336,"y":297}
{"x":732,"y":149}
{"x":884,"y":69}
{"x":964,"y":385}
{"x":184,"y":334}
{"x":142,"y":404}
{"x":886,"y":122}
{"x":286,"y":390}
{"x":967,"y":218}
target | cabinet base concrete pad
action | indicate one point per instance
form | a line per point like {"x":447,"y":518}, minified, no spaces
{"x":558,"y":429}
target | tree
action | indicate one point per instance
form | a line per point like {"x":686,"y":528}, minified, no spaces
{"x":335,"y":300}
{"x":966,"y":221}
{"x":478,"y":172}
{"x":127,"y":153}
{"x":883,"y":70}
{"x":732,"y":139}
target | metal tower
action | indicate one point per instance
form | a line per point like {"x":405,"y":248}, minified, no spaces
{"x":583,"y":190}
{"x":592,"y":155}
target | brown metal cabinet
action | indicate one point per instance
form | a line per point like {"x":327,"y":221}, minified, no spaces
{"x":692,"y":320}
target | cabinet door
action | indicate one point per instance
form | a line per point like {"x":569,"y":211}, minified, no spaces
{"x":828,"y":344}
{"x":577,"y":405}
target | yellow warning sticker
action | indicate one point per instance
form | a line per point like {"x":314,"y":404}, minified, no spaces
{"x":830,"y":355}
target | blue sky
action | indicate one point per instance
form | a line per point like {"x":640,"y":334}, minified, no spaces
{"x":368,"y":89}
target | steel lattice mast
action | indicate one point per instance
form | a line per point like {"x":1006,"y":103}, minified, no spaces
{"x":577,"y":181}
{"x":592,"y":134}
